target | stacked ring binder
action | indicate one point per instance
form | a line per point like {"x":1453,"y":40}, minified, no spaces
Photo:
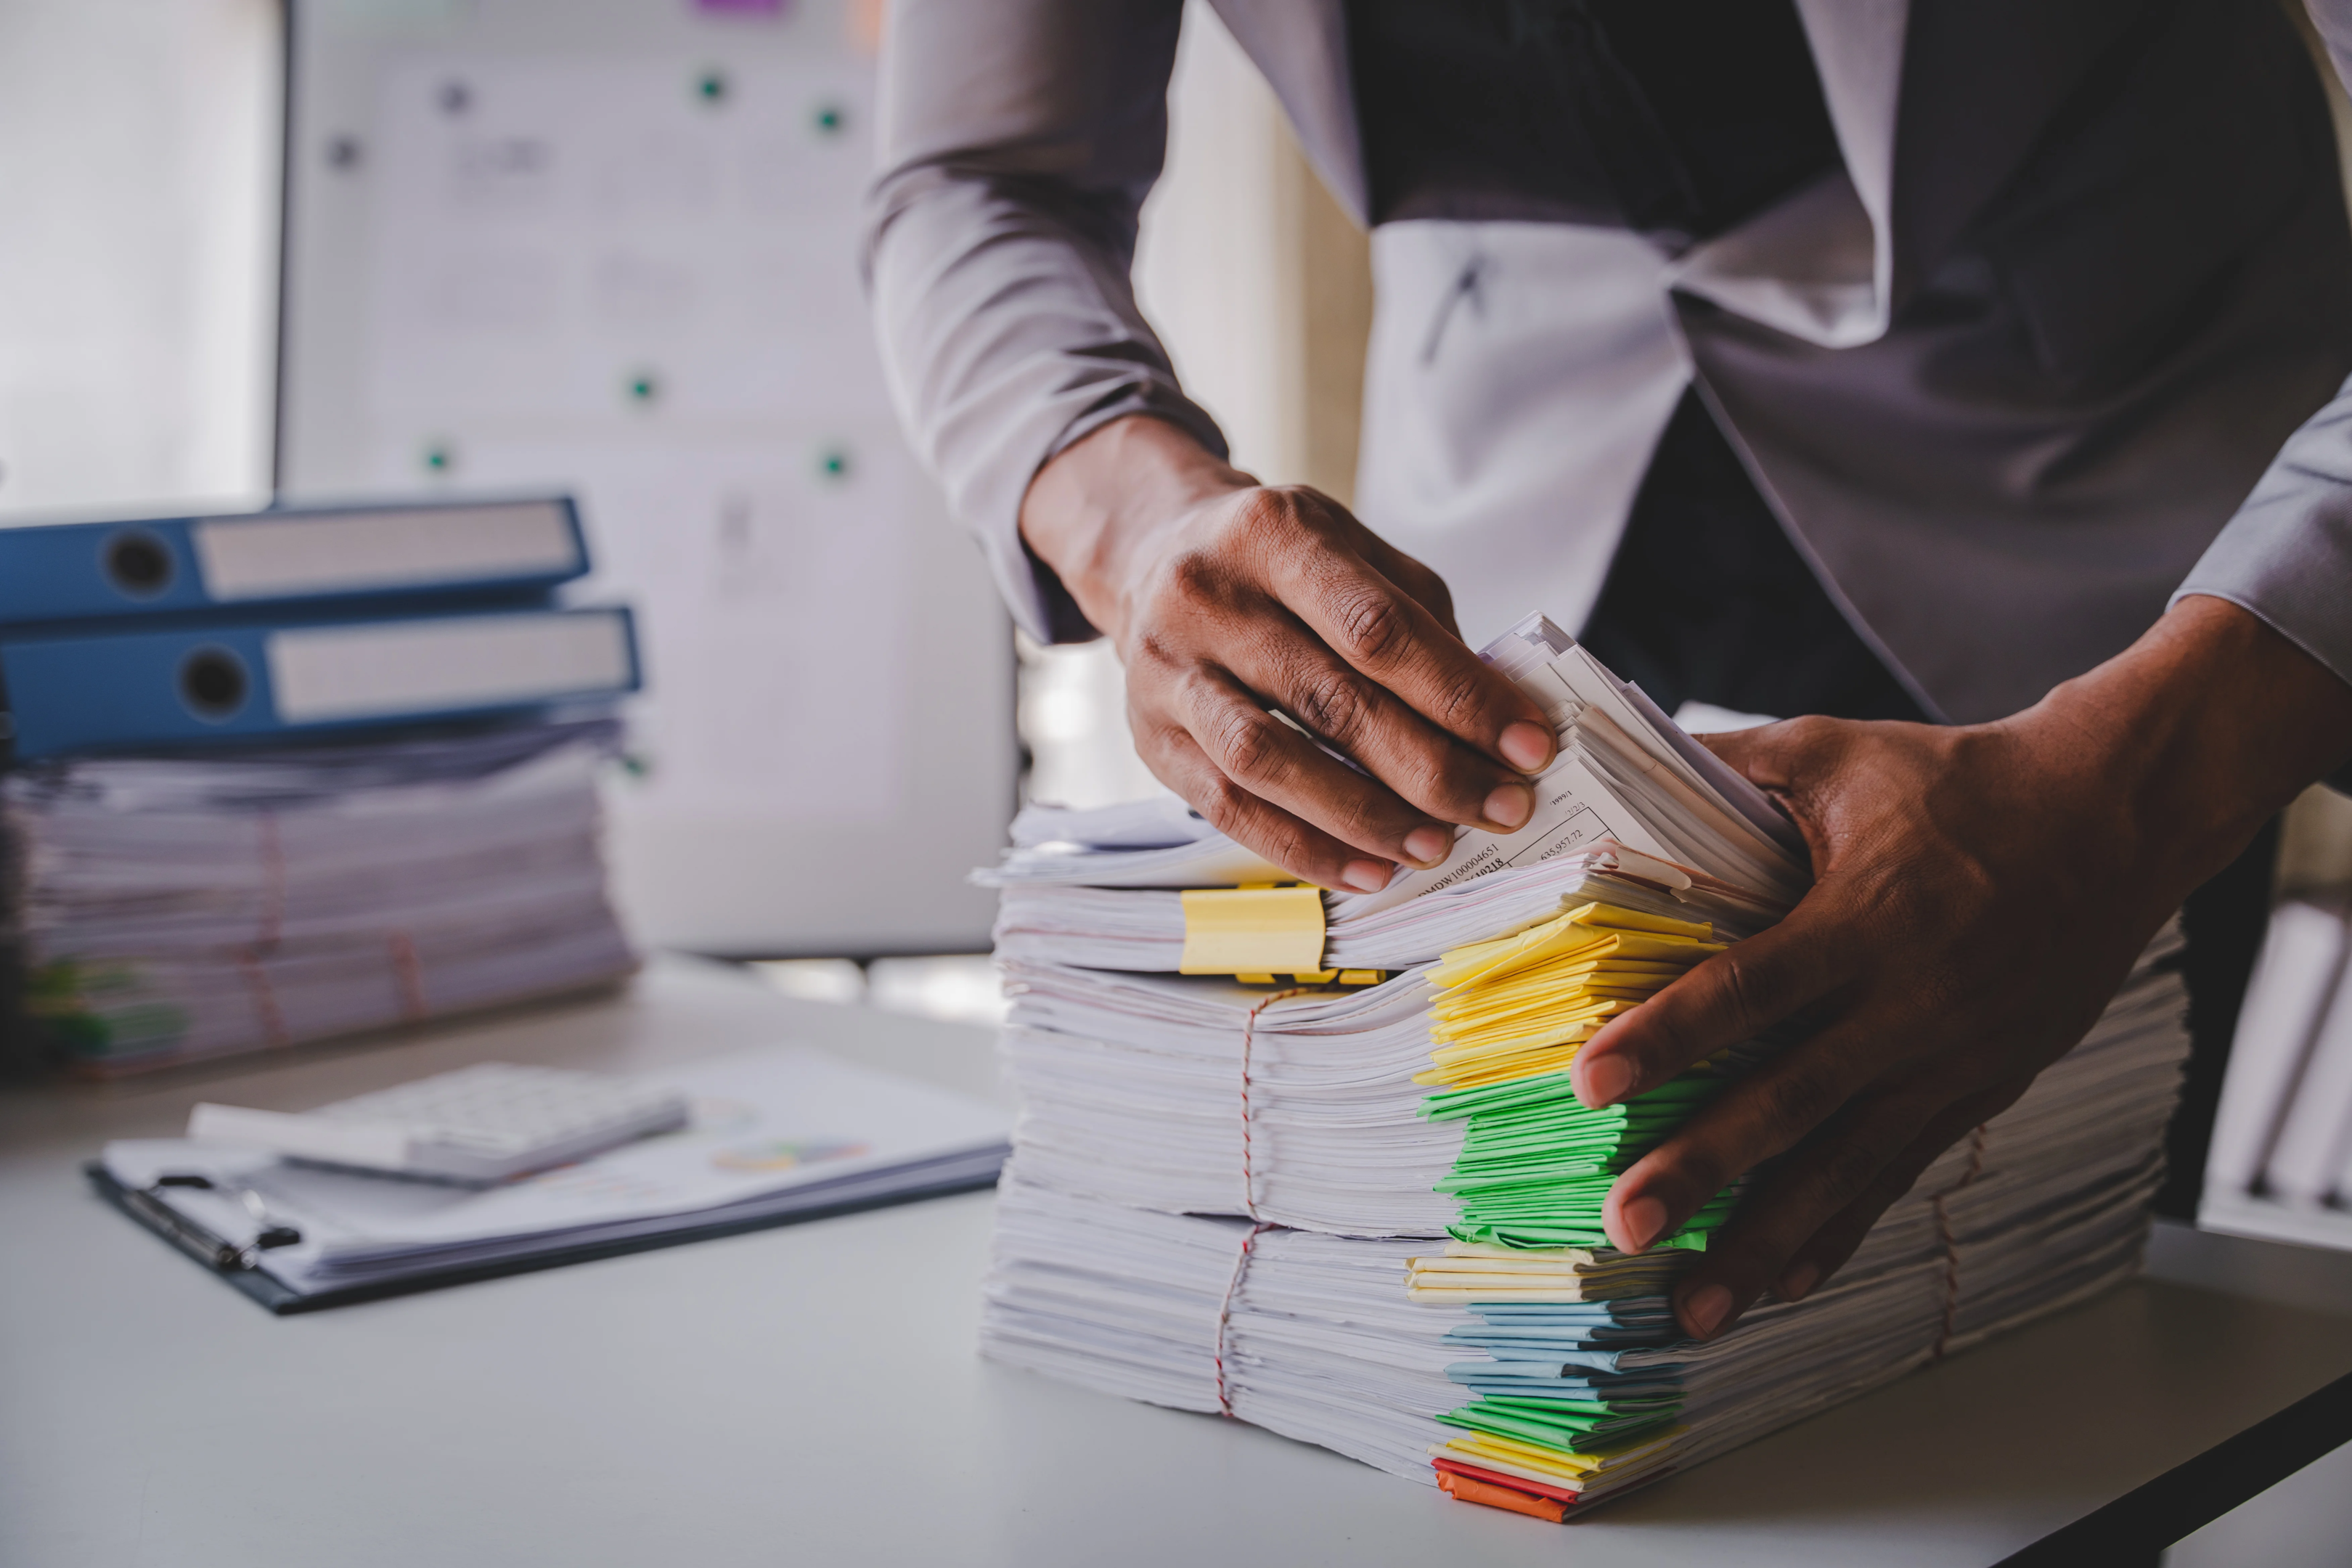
{"x":298,"y":774}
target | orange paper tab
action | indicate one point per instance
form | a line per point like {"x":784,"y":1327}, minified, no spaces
{"x":1468,"y":1490}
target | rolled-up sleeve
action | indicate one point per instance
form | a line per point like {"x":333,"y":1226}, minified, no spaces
{"x":1018,"y":141}
{"x":2287,"y":554}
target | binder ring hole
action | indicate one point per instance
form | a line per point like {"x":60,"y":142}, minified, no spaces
{"x":140,"y":564}
{"x":213,"y":683}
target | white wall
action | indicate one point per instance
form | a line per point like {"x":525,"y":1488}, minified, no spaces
{"x":138,"y":252}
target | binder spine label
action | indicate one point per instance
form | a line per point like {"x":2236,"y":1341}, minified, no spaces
{"x":327,"y":674}
{"x":268,"y":557}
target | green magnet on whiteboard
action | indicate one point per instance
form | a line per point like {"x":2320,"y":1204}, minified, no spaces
{"x":711,"y":88}
{"x":834,"y":463}
{"x":644,"y":388}
{"x":830,"y":119}
{"x":439,"y":459}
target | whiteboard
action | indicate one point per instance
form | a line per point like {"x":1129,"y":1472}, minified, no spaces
{"x":611,"y":247}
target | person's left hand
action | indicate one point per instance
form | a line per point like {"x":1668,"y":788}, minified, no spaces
{"x":1980,"y":892}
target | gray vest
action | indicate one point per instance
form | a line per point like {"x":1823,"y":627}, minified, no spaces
{"x":2004,"y":380}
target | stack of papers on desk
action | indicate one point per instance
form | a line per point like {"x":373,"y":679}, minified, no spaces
{"x":1554,"y":1370}
{"x":1414,"y":1270}
{"x":164,"y":908}
{"x":1128,"y":1087}
{"x":774,"y":1134}
{"x":1142,"y":930}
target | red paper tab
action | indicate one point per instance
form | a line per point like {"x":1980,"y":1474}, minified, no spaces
{"x":1495,"y":1478}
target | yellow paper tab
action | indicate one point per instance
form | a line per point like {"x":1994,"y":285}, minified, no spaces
{"x":1582,"y":933}
{"x":1252,"y":931}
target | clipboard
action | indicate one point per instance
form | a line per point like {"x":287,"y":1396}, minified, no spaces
{"x":234,"y":1267}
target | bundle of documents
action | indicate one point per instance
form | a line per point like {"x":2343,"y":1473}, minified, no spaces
{"x":1375,"y":1088}
{"x":1626,"y":776}
{"x":1555,"y":1375}
{"x":1355,"y":1122}
{"x":1144,"y":930}
{"x":169,"y":908}
{"x":770,"y":1135}
{"x":2283,"y":1134}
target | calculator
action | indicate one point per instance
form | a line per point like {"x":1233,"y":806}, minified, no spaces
{"x":479,"y":1124}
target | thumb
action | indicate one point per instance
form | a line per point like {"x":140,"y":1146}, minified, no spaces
{"x":1787,"y":758}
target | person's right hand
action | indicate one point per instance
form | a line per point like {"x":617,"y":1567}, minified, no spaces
{"x":1226,"y":598}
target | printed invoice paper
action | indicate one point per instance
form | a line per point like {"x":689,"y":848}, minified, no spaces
{"x":773,"y":1132}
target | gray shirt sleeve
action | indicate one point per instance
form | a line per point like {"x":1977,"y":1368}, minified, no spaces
{"x":1018,"y":139}
{"x":2288,"y":554}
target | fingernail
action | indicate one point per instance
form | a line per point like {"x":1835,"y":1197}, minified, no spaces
{"x":1606,"y":1081}
{"x":1706,"y":1308}
{"x":1799,"y":1281}
{"x":1365,"y":876}
{"x":1428,"y":845}
{"x":1525,"y":747}
{"x":1510,"y":805}
{"x":1643,"y":1219}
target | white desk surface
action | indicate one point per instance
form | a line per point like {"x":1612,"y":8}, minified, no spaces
{"x":811,"y":1393}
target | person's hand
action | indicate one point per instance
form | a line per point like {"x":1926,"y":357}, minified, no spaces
{"x":1981,"y":893}
{"x":1226,"y":598}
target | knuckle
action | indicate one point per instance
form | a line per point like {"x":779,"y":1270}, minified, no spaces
{"x":1460,"y":700}
{"x":1190,"y":578}
{"x":1224,"y":804}
{"x":1668,"y":1041}
{"x":1808,"y":729}
{"x":1152,"y":662}
{"x":1427,"y":777}
{"x":1357,"y":815}
{"x":1330,"y":703}
{"x":1282,"y":842}
{"x":1372,"y":626}
{"x":1847,"y":1167}
{"x":1793,"y":1102}
{"x":1746,"y":994}
{"x":1692,"y":1168}
{"x":1308,"y":502}
{"x":1244,"y":743}
{"x":1265,"y":516}
{"x":1244,"y":819}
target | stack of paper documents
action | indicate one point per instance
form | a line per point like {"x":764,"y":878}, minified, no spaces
{"x":168,"y":907}
{"x":772,"y":1134}
{"x":1128,"y":1087}
{"x":1142,"y":930}
{"x":1560,"y":1370}
{"x":1415,"y":1271}
{"x":1625,"y":776}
